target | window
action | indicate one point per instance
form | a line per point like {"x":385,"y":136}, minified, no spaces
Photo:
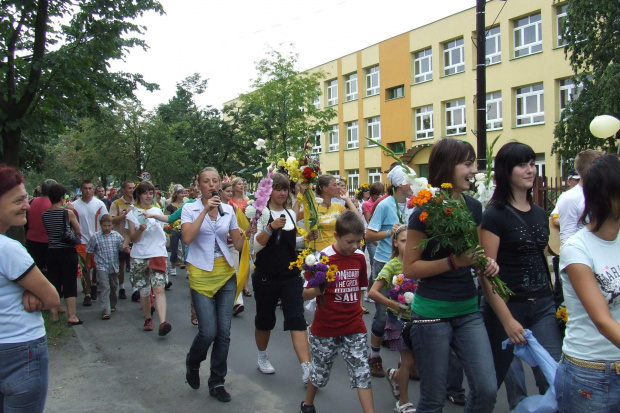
{"x":332,"y":92}
{"x":561,"y":23}
{"x":528,"y":35}
{"x":530,"y":105}
{"x":424,"y":122}
{"x":455,"y":117}
{"x":568,"y":92}
{"x":494,"y":111}
{"x":424,"y":170}
{"x":396,"y":92}
{"x":334,"y":144}
{"x":397,"y":147}
{"x":353,"y":179}
{"x":353,"y":141}
{"x":350,"y":87}
{"x":453,"y":57}
{"x":493,"y":46}
{"x":423,"y":66}
{"x":372,"y":81}
{"x":374,"y":175}
{"x":373,"y":129}
{"x":317,"y":102}
{"x":316,"y":145}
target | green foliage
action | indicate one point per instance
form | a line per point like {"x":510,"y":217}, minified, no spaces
{"x":55,"y":66}
{"x":280,"y":110}
{"x":592,"y":49}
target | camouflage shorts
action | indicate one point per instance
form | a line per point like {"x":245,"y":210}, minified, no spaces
{"x":354,"y":351}
{"x":142,"y":276}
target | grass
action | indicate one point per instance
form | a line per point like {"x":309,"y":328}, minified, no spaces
{"x":58,"y":333}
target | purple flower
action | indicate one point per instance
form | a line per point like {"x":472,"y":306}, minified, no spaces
{"x":393,"y":294}
{"x":321,"y":267}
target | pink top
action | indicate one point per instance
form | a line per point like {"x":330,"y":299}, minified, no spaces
{"x":36,"y":230}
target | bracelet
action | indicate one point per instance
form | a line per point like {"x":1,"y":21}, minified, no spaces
{"x":452,"y":260}
{"x":450,"y":267}
{"x":267,"y":232}
{"x":387,"y":234}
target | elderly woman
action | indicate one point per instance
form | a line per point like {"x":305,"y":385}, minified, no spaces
{"x":205,"y":226}
{"x":24,"y":292}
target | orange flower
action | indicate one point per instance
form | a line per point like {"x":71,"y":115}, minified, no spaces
{"x":422,"y":198}
{"x":449,"y":210}
{"x":423,"y":216}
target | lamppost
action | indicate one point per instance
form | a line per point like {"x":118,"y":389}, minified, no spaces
{"x":605,"y":126}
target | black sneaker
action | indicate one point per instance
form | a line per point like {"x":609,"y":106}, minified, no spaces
{"x":458,"y":399}
{"x":135,"y":296}
{"x":220,"y":394}
{"x":121,"y":294}
{"x":168,"y":285}
{"x":306,"y":409}
{"x":93,"y":293}
{"x":193,"y":377}
{"x":87,"y":301}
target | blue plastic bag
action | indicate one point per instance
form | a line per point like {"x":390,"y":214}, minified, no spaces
{"x":535,"y":355}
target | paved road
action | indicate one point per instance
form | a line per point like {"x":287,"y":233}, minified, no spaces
{"x":114,"y":366}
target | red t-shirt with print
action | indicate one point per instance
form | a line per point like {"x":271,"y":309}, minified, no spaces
{"x":341,"y":314}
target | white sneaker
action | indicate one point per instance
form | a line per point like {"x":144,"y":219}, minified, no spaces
{"x":405,"y":408}
{"x":305,"y":367}
{"x":173,"y":271}
{"x":264,"y":365}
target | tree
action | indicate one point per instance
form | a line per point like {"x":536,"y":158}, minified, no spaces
{"x":54,"y":65}
{"x":280,"y":110}
{"x":590,"y":31}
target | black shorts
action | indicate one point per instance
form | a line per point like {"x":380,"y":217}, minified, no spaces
{"x":268,"y":290}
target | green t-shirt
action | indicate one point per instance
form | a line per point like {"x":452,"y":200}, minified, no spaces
{"x":392,"y":268}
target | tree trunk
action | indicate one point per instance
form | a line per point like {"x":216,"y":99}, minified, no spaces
{"x":10,"y":146}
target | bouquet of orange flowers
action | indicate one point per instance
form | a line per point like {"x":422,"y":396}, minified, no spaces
{"x":449,"y":223}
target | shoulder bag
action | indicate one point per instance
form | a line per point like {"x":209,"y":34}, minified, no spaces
{"x":68,"y":236}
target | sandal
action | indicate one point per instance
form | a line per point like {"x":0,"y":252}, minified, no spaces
{"x":366,"y":311}
{"x":105,"y":317}
{"x":194,"y":320}
{"x":246,"y":293}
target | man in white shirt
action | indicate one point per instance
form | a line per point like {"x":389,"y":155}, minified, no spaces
{"x":572,"y":202}
{"x":89,"y":210}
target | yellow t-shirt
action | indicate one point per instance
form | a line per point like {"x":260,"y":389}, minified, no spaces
{"x":209,"y":282}
{"x":327,"y":220}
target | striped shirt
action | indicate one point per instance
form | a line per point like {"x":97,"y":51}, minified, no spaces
{"x":105,"y":247}
{"x":53,"y":221}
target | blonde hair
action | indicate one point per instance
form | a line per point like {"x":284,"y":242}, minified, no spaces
{"x":397,"y":231}
{"x":208,"y":169}
{"x":584,"y":160}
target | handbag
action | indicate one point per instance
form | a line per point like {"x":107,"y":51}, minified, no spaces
{"x":68,"y":236}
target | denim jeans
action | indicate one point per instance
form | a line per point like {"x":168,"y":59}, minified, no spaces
{"x":175,"y":237}
{"x":467,"y":337}
{"x":580,"y":389}
{"x":514,"y":382}
{"x":214,"y":315}
{"x":24,"y":376}
{"x":538,"y":316}
{"x":371,"y":248}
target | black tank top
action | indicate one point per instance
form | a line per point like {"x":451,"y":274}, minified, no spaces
{"x":274,"y":260}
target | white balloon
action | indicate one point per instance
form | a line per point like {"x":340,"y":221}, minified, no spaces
{"x":604,"y":126}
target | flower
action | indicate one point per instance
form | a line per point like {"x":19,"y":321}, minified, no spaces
{"x":319,"y":200}
{"x":260,"y":143}
{"x":446,"y":185}
{"x":421,"y":198}
{"x":480,"y":176}
{"x":418,"y":185}
{"x":324,"y":259}
{"x":310,"y":260}
{"x":408,"y":297}
{"x":250,"y":211}
{"x":449,"y":210}
{"x":423,"y":216}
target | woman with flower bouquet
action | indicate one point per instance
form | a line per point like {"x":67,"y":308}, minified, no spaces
{"x":273,"y":279}
{"x":400,"y":292}
{"x":326,"y":190}
{"x":444,"y":311}
{"x":515,"y":231}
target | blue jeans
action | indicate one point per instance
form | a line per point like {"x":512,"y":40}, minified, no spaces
{"x":579,"y":389}
{"x":371,"y":248}
{"x":175,"y":237}
{"x":467,"y":337}
{"x":24,"y":376}
{"x":379,"y":319}
{"x":538,"y":316}
{"x":214,"y":315}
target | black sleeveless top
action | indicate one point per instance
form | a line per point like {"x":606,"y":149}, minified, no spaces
{"x":274,"y":260}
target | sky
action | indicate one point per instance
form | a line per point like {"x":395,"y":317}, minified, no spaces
{"x":222,"y":39}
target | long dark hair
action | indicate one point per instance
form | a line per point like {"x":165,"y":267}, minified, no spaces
{"x":601,"y":190}
{"x":509,"y":156}
{"x":445,"y":155}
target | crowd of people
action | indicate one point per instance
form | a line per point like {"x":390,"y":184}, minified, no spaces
{"x":452,"y":327}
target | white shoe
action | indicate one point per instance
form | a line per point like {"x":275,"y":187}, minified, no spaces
{"x":305,"y":367}
{"x":173,"y":271}
{"x":264,"y":365}
{"x":405,"y":408}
